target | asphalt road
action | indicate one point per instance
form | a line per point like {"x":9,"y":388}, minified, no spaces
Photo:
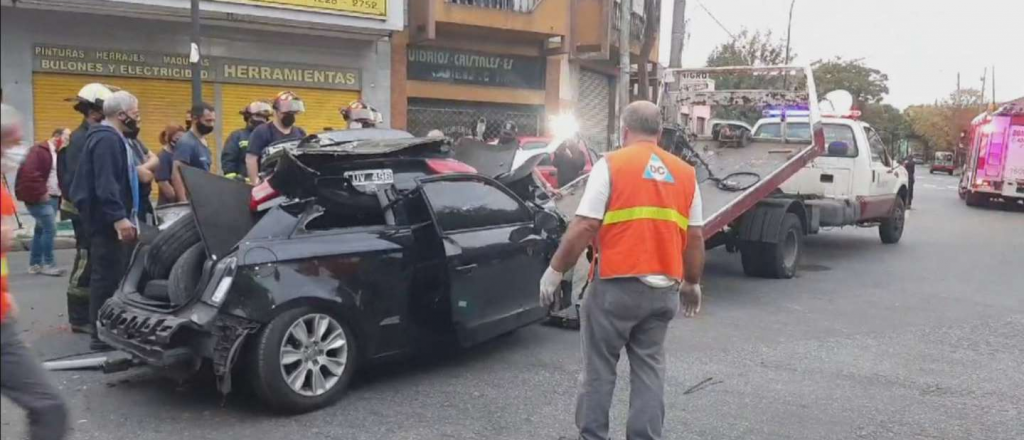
{"x":921,"y":340}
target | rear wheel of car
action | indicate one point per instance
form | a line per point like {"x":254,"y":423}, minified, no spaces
{"x":779,"y":259}
{"x":185,"y":275}
{"x":170,"y":245}
{"x":891,"y":229}
{"x":303,"y":360}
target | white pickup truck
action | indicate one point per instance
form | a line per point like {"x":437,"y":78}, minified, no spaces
{"x":854,"y":183}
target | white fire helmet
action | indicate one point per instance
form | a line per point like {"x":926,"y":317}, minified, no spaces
{"x":94,"y":94}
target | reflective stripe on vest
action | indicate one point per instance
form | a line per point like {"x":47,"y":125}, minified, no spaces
{"x":646,"y":213}
{"x":3,"y":267}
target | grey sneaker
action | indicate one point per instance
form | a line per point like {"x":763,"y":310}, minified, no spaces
{"x":51,"y":271}
{"x":34,"y":270}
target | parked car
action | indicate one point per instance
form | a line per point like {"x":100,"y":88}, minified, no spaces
{"x":352,"y":253}
{"x":530,"y":146}
{"x":943,"y":163}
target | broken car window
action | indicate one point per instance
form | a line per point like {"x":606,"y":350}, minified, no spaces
{"x":470,"y":204}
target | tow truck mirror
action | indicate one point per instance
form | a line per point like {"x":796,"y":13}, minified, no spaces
{"x":839,"y":149}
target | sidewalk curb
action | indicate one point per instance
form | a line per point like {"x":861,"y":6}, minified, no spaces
{"x":24,"y":244}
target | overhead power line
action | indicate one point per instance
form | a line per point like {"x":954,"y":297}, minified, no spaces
{"x":705,"y":8}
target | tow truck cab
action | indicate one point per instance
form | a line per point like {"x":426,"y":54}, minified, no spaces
{"x":855,"y":181}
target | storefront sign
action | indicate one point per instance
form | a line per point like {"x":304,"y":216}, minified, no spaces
{"x":139,"y":64}
{"x":443,"y":65}
{"x":373,"y":8}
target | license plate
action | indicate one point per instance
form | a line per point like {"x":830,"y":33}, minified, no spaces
{"x":371,"y":177}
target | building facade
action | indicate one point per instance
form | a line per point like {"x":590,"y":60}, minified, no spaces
{"x":466,"y":67}
{"x":328,"y":55}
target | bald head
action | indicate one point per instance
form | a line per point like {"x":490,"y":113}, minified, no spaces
{"x":641,"y":121}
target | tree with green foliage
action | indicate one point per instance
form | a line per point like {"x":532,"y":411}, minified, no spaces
{"x":866,"y":84}
{"x":891,"y":124}
{"x":940,"y":124}
{"x":748,"y":49}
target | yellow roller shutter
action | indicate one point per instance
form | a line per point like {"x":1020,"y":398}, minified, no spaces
{"x":161,"y":102}
{"x":322,"y":106}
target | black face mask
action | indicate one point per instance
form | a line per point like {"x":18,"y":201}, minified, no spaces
{"x":204,"y":129}
{"x":288,"y":120}
{"x":253,"y":123}
{"x":131,"y":128}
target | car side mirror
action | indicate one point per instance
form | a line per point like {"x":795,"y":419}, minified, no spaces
{"x":546,"y":221}
{"x":839,"y":148}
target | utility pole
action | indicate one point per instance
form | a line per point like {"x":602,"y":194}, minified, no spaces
{"x":672,"y":113}
{"x":678,"y":34}
{"x":625,"y":37}
{"x":994,"y":102}
{"x":789,"y":30}
{"x":195,"y":57}
{"x":984,"y":85}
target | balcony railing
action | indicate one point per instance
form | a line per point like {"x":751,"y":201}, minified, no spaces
{"x":524,"y":6}
{"x":636,"y":24}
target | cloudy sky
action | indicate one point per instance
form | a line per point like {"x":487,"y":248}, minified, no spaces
{"x":921,"y":44}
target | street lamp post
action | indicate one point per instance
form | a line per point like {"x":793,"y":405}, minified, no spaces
{"x":195,"y":57}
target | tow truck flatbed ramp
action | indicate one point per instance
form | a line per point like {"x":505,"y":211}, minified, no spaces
{"x":735,"y":170}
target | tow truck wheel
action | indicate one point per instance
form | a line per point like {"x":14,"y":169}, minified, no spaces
{"x":303,"y":361}
{"x":779,"y":259}
{"x":891,"y":229}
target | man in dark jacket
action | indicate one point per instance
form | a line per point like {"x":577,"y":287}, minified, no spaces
{"x":911,"y":167}
{"x":570,"y":162}
{"x":106,"y":193}
{"x":89,"y":103}
{"x":37,"y":187}
{"x":232,"y":160}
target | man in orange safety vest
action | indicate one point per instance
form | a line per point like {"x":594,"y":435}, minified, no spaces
{"x":642,"y":208}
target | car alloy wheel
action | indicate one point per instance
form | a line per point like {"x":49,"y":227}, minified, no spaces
{"x":314,"y":355}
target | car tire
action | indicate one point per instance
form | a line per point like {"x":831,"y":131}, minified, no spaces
{"x":185,"y":275}
{"x":775,"y":260}
{"x":170,"y":245}
{"x":272,"y":366}
{"x":891,"y":229}
{"x":156,"y":290}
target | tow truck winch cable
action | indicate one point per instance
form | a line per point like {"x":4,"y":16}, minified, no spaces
{"x":730,"y":182}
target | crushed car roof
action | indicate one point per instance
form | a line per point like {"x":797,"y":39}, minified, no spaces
{"x":367,"y":146}
{"x":334,"y":138}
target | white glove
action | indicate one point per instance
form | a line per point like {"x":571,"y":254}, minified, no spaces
{"x":549,"y":284}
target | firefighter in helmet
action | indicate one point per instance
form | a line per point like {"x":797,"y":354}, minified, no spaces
{"x":287,"y":106}
{"x":359,"y":115}
{"x":89,"y":103}
{"x":232,"y":159}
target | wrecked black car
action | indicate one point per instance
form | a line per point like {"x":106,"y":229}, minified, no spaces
{"x":352,"y":252}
